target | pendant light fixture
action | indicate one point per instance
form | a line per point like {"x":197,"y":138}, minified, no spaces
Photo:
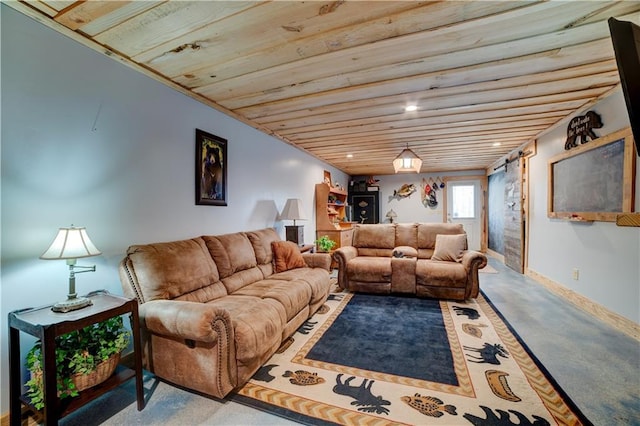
{"x":407,"y":161}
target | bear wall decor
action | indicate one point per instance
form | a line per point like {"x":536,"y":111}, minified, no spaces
{"x":582,"y":127}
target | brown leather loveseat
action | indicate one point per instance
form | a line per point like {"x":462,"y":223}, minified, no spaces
{"x":425,"y":259}
{"x":213,"y":309}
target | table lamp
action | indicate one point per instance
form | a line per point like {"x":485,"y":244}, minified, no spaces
{"x":72,"y":243}
{"x":391,"y":215}
{"x":293,"y":211}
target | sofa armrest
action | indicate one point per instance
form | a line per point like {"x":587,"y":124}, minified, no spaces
{"x":202,"y":322}
{"x":342,"y":256}
{"x":472,"y":262}
{"x":405,"y":251}
{"x":318,"y":260}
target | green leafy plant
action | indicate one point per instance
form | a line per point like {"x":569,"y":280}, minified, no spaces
{"x":77,"y":352}
{"x":324,"y":243}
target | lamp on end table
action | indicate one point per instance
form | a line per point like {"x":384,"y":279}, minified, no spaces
{"x":72,"y":243}
{"x":293,"y":211}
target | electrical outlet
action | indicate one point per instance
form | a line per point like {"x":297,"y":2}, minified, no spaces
{"x":576,"y":274}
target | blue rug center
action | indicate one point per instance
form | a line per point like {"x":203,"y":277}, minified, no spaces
{"x":403,"y":336}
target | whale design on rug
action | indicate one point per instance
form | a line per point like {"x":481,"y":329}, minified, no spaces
{"x":364,"y":398}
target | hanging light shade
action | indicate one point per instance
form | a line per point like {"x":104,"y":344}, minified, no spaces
{"x":407,"y":161}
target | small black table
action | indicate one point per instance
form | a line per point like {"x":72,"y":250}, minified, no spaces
{"x":46,"y":325}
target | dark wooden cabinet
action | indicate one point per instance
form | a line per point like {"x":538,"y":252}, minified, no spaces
{"x":365,"y":206}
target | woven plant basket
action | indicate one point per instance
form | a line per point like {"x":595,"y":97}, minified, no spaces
{"x":103,"y":371}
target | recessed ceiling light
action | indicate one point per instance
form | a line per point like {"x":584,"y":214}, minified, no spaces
{"x":410,"y":108}
{"x":349,"y":155}
{"x":496,"y":144}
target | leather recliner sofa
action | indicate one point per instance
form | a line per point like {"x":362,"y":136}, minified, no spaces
{"x":424,"y":259}
{"x":213,"y":309}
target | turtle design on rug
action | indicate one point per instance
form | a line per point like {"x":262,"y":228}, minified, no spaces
{"x":429,"y":405}
{"x":364,"y":398}
{"x":303,"y":378}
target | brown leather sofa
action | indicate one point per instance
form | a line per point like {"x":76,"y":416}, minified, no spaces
{"x":213,"y":309}
{"x":425,"y":259}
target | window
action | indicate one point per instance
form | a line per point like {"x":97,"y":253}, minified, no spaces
{"x":463,"y":203}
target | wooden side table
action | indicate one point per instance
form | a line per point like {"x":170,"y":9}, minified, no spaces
{"x":46,"y":325}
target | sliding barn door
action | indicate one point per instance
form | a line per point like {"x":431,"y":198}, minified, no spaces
{"x":513,"y":217}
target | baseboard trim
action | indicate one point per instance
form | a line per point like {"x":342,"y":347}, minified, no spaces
{"x":617,"y":321}
{"x":495,"y":255}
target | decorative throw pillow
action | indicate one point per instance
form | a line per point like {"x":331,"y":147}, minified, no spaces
{"x":286,"y":255}
{"x":449,"y":247}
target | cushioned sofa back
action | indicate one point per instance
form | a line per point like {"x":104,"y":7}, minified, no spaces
{"x":374,"y":240}
{"x":180,"y":270}
{"x":235,"y":259}
{"x":427,"y":233}
{"x":407,"y":234}
{"x":261,"y":241}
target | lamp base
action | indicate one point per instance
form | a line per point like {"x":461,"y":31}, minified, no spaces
{"x":72,"y":304}
{"x":295,"y":234}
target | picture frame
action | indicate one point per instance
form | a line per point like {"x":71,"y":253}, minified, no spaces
{"x":211,"y":169}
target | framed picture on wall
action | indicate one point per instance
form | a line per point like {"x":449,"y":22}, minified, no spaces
{"x":211,"y":169}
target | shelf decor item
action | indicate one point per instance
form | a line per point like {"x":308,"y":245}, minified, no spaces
{"x":84,"y":358}
{"x":324,"y":243}
{"x":72,"y":243}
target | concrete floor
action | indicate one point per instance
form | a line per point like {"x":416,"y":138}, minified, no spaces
{"x":597,"y":366}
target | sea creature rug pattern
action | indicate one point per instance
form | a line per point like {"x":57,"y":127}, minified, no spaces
{"x":498,"y":382}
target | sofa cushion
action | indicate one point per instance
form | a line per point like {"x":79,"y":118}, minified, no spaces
{"x":286,"y":255}
{"x":427,"y":233}
{"x":440,"y":274}
{"x":261,"y":241}
{"x":175,"y":269}
{"x":370,"y":269}
{"x":315,"y":278}
{"x":407,"y":234}
{"x":231,"y":252}
{"x":450,"y":247}
{"x":294,"y":296}
{"x":379,"y":236}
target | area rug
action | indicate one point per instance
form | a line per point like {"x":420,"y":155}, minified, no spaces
{"x":381,"y":359}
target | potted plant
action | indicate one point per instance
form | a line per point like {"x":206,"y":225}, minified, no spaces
{"x":324,"y":243}
{"x":84,"y":358}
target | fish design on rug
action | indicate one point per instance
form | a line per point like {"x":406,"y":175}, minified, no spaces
{"x":429,"y":405}
{"x":504,"y":419}
{"x":403,"y":192}
{"x":498,"y":383}
{"x":473,"y":329}
{"x":303,"y":378}
{"x":488,"y":354}
{"x":471,"y":313}
{"x":264,"y":373}
{"x":364,"y":398}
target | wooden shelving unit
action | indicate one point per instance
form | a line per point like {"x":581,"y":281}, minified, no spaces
{"x":331,"y":204}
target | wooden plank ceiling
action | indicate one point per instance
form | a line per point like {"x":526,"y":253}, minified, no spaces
{"x":333,"y":78}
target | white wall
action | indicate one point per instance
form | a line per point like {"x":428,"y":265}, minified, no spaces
{"x":606,"y":256}
{"x":128,"y":180}
{"x":411,"y":209}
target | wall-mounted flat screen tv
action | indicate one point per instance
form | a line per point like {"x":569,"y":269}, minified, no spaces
{"x":626,"y":44}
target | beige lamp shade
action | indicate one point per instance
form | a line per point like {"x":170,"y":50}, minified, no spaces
{"x":293,"y":210}
{"x":407,"y":161}
{"x":71,"y":243}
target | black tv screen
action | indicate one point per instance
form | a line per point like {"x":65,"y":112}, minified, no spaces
{"x":626,"y":44}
